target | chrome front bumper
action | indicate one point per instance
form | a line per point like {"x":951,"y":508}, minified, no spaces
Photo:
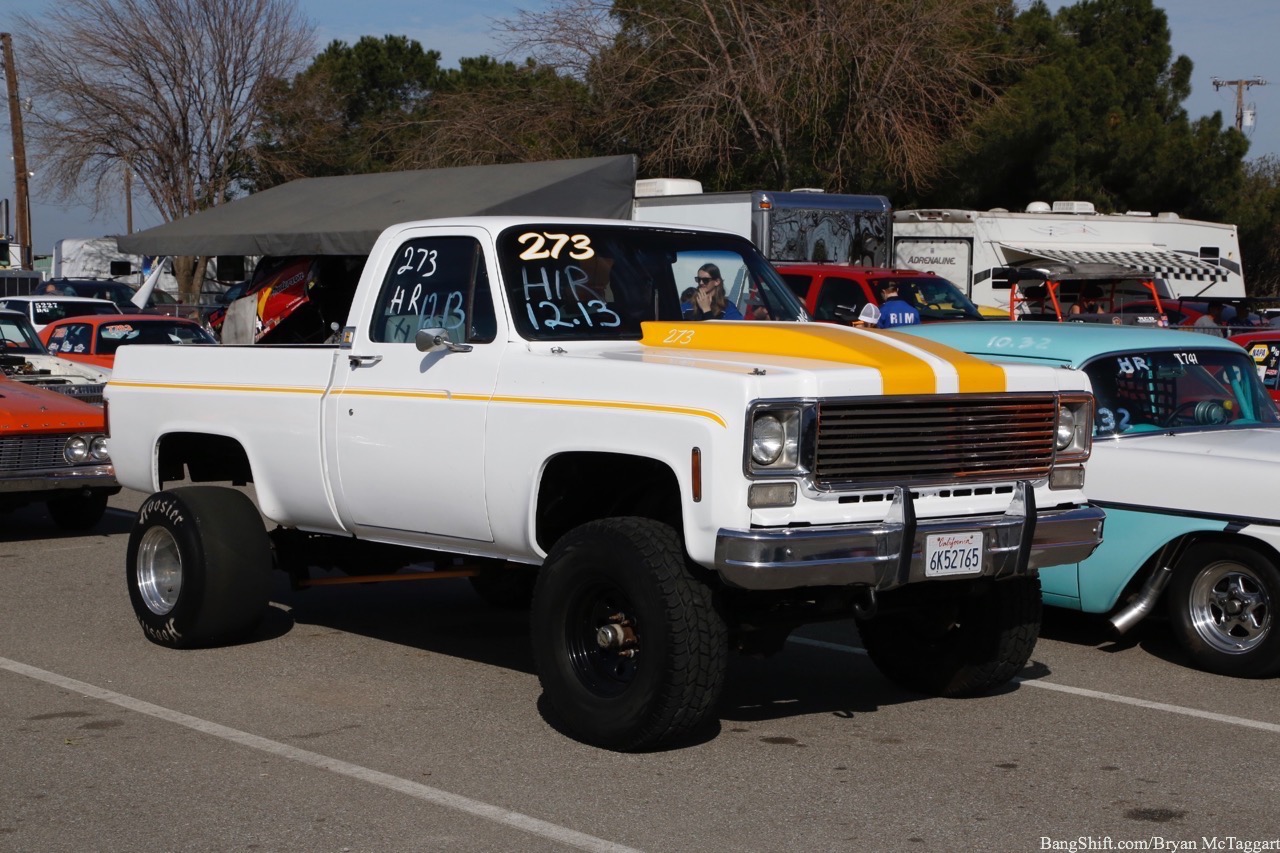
{"x":54,"y":479}
{"x":890,"y":553}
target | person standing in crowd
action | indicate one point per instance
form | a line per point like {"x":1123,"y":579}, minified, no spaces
{"x":1088,"y":303}
{"x":1210,"y":323}
{"x":894,"y":311}
{"x":710,"y":302}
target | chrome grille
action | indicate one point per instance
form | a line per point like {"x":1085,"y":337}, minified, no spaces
{"x":33,"y":452}
{"x":87,"y":392}
{"x":934,"y":440}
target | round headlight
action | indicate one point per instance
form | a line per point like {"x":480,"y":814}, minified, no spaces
{"x":1066,"y":432}
{"x":768,"y":437}
{"x":76,"y":449}
{"x":98,"y":448}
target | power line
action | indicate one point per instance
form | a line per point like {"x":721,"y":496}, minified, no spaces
{"x":1241,"y":86}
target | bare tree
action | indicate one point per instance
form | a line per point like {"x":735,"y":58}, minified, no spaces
{"x":800,"y":87}
{"x":516,"y":114}
{"x":171,"y":90}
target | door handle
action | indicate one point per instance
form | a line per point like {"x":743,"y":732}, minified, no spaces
{"x":364,"y":360}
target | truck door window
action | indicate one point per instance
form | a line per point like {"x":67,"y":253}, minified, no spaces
{"x":435,"y":283}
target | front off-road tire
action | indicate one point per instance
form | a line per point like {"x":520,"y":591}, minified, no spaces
{"x":954,"y":638}
{"x":1222,"y":602}
{"x":628,"y":576}
{"x":199,"y":567}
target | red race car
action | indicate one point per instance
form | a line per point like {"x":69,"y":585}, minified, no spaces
{"x":95,"y":339}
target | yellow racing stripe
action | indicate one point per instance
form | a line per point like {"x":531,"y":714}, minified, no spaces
{"x":901,"y":371}
{"x":976,"y":376}
{"x":626,"y":405}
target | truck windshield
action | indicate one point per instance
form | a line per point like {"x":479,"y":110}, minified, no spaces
{"x":1163,"y":390}
{"x":584,"y":282}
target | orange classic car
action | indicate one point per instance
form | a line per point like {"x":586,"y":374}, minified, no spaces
{"x":53,"y":448}
{"x":95,"y":339}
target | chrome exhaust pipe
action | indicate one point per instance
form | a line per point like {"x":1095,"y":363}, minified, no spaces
{"x":1136,"y":610}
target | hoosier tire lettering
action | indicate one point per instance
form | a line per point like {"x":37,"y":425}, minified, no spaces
{"x":198,"y":567}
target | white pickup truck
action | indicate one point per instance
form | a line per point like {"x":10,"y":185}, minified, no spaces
{"x":528,"y":395}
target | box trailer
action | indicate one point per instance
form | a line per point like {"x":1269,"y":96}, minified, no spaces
{"x":969,"y":247}
{"x":799,"y":225}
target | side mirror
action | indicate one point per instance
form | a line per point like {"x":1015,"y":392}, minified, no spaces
{"x":435,"y":340}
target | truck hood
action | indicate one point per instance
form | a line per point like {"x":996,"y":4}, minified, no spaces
{"x":1231,"y":472}
{"x":840,"y":360}
{"x":26,"y":409}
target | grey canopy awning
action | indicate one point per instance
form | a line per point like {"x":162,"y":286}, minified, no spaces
{"x":1170,"y":264}
{"x":344,"y":215}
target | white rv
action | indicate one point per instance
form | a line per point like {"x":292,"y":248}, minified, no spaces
{"x":799,"y":225}
{"x":971,"y":247}
{"x":101,"y":258}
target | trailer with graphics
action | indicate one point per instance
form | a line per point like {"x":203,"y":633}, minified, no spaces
{"x":793,"y":226}
{"x":972,"y":247}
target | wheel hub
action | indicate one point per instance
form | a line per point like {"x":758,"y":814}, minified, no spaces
{"x":618,"y":636}
{"x":1230,"y":608}
{"x":603,"y":642}
{"x":159,"y":570}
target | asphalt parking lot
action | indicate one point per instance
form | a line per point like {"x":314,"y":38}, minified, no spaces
{"x":406,"y":717}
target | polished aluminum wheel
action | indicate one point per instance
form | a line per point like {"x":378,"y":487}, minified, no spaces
{"x":1230,"y":608}
{"x":159,"y":570}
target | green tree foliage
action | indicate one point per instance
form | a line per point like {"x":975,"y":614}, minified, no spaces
{"x":1258,"y":220}
{"x":352,"y":110}
{"x":1096,"y":114}
{"x":387,"y":104}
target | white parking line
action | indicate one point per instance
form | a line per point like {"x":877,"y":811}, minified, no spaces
{"x":435,"y":796}
{"x":1080,"y":691}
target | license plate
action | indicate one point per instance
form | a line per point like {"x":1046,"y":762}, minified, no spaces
{"x":947,"y":554}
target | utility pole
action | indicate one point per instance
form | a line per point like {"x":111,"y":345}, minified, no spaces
{"x":22,"y":198}
{"x":128,"y":198}
{"x":1240,"y":85}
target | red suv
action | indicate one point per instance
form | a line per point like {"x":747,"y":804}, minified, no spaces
{"x":835,"y":293}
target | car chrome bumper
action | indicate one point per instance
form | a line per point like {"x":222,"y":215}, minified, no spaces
{"x":890,"y":553}
{"x":55,"y":479}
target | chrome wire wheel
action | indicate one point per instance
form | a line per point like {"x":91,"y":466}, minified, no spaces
{"x":1230,"y":608}
{"x":159,"y":565}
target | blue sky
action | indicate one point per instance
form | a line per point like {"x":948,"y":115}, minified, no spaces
{"x":1228,"y":39}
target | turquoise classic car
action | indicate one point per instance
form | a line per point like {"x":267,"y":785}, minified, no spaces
{"x":1186,"y":457}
